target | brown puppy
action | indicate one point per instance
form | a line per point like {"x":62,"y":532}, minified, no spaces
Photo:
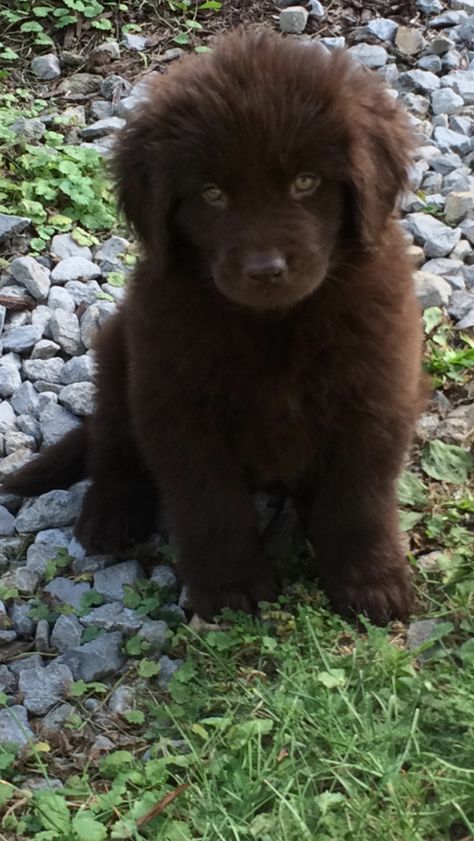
{"x":270,"y":337}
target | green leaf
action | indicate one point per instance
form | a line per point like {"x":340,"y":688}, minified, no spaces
{"x":328,"y":800}
{"x":408,"y":519}
{"x":134,"y":716}
{"x":87,"y":828}
{"x":53,"y":812}
{"x":446,"y":462}
{"x":31,"y":26}
{"x":332,"y":678}
{"x":466,"y":652}
{"x":8,"y":55}
{"x":432,"y":317}
{"x":411,"y":490}
{"x":148,"y":668}
{"x":90,"y":599}
{"x":42,"y":11}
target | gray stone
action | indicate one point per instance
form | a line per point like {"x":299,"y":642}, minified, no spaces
{"x":168,"y":669}
{"x":382,"y":28}
{"x":7,"y":680}
{"x":13,"y":462}
{"x":54,"y":508}
{"x":369,"y":55}
{"x":112,"y":248}
{"x":452,"y":141}
{"x":458,"y":206}
{"x":420,"y":632}
{"x":429,"y":7}
{"x":32,"y":275}
{"x":79,"y":398}
{"x":66,"y":591}
{"x":26,"y":581}
{"x":409,"y":41}
{"x":102,"y":127}
{"x":293,"y":19}
{"x":101,"y":109}
{"x":462,"y":302}
{"x":44,"y":687}
{"x":7,"y":416}
{"x":446,"y":101}
{"x":462,"y":82}
{"x":10,"y":380}
{"x":7,"y":522}
{"x":48,"y":370}
{"x":66,"y":331}
{"x":79,"y":369}
{"x":81,"y":83}
{"x":83,"y":293}
{"x":154,"y":631}
{"x":96,"y":659}
{"x":29,"y":129}
{"x":90,"y":323}
{"x":44,"y":549}
{"x":431,"y":290}
{"x":40,"y":317}
{"x":437,"y":239}
{"x":60,"y":299}
{"x":75,"y":268}
{"x":432,"y":63}
{"x":441,"y":44}
{"x":45,"y":349}
{"x":105,"y":52}
{"x":20,"y":339}
{"x":465,"y":30}
{"x":10,"y":225}
{"x":113,"y":617}
{"x":14,"y":726}
{"x":20,"y":619}
{"x":54,"y":721}
{"x":109,"y":582}
{"x":418,"y":81}
{"x":467,"y":229}
{"x":467,"y":5}
{"x":64,"y":246}
{"x":32,"y":661}
{"x":135,"y":42}
{"x":115,"y":87}
{"x":122,"y":699}
{"x":331,"y":44}
{"x":165,"y":577}
{"x":6,"y":637}
{"x":46,"y":67}
{"x":55,"y":422}
{"x":18,"y":440}
{"x":415,"y":104}
{"x":66,"y":633}
{"x":42,"y":636}
{"x":451,"y":18}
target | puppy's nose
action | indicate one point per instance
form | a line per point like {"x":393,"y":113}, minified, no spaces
{"x":267,"y":267}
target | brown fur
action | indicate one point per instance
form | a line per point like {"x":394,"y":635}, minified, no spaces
{"x":273,"y":342}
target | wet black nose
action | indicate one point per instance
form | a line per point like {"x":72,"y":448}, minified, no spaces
{"x":266,"y":267}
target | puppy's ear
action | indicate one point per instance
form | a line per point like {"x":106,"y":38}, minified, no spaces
{"x":142,"y":182}
{"x":381,"y":146}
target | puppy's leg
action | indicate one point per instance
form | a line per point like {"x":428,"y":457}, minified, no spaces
{"x":209,"y":507}
{"x":120,"y":505}
{"x":353,"y":525}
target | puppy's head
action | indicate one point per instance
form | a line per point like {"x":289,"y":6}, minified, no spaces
{"x":265,"y":158}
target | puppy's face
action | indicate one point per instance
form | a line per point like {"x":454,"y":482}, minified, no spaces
{"x":265,"y":238}
{"x":262,"y":161}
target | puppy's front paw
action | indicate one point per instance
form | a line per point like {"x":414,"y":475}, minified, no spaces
{"x":208,"y":600}
{"x":111,"y":519}
{"x":380,"y":593}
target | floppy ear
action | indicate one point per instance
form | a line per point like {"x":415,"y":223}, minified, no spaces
{"x":142,"y":182}
{"x":381,"y":145}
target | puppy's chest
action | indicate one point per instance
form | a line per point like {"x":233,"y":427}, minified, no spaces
{"x":277,"y":424}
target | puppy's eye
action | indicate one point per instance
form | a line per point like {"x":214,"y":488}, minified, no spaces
{"x":304,"y":185}
{"x":214,"y":195}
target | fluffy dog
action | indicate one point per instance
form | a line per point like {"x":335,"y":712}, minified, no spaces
{"x":270,"y":337}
